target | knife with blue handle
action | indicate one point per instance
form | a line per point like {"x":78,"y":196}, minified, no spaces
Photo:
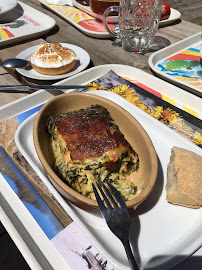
{"x":30,"y":197}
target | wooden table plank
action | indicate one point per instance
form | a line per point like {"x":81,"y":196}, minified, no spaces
{"x":191,"y":10}
{"x":179,"y":31}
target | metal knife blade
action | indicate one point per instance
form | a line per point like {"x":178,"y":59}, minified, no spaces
{"x":36,"y":205}
{"x":45,"y":87}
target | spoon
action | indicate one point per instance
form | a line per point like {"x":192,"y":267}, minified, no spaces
{"x":14,"y":63}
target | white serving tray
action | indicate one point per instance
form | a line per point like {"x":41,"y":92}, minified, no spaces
{"x":173,"y":92}
{"x":30,"y":24}
{"x":88,"y":10}
{"x":157,"y":57}
{"x":174,"y":15}
{"x":26,"y":233}
{"x":57,"y":8}
{"x":170,"y":93}
{"x":161,"y":234}
{"x":69,"y":17}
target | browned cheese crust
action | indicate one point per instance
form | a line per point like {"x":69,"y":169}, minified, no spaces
{"x":90,"y":133}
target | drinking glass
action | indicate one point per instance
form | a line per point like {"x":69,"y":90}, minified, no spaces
{"x":138,"y":23}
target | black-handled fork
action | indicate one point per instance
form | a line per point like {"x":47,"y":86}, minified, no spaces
{"x":117,"y":218}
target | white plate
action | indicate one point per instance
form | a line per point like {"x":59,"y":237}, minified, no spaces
{"x":174,"y":14}
{"x":7,"y":5}
{"x":82,"y":62}
{"x":162,"y":234}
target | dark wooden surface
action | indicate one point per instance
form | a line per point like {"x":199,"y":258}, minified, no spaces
{"x":191,"y":10}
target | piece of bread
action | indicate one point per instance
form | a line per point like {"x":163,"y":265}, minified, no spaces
{"x":53,"y":59}
{"x":184,"y":178}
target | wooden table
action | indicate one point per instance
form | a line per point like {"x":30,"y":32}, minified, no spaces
{"x":101,"y":51}
{"x":191,"y":11}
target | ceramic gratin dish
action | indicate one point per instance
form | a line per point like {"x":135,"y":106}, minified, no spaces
{"x":134,"y":133}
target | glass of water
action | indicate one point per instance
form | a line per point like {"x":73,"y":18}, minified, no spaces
{"x":138,"y":23}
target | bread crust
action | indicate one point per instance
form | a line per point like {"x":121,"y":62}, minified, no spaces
{"x":184,"y":178}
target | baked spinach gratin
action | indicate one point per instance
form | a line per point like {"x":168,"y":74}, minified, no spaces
{"x":88,"y":147}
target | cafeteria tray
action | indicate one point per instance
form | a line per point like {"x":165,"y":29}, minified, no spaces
{"x":26,"y":233}
{"x":173,"y":223}
{"x":163,"y":138}
{"x":22,"y":23}
{"x":88,"y":10}
{"x":89,"y":22}
{"x":168,"y":92}
{"x":181,"y":64}
{"x":174,"y":15}
{"x":79,"y":19}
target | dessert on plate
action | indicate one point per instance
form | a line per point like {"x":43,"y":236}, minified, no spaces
{"x":53,"y":59}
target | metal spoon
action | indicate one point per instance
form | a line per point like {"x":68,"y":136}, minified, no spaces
{"x":14,"y":63}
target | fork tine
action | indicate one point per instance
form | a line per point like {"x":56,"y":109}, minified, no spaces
{"x":117,"y":219}
{"x":110,"y":196}
{"x":118,"y":196}
{"x":100,"y":203}
{"x":105,"y":197}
